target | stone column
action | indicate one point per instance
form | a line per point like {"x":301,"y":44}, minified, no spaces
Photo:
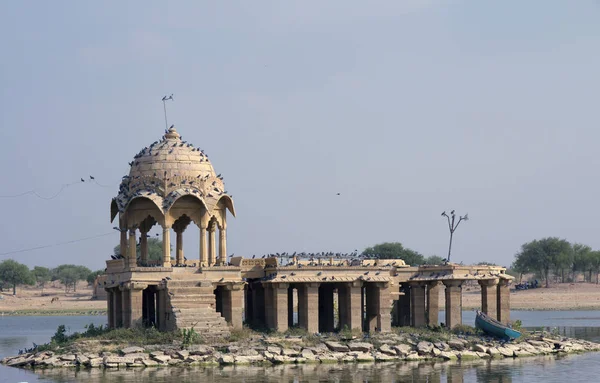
{"x":248,"y":304}
{"x":503,"y":301}
{"x":349,"y":300}
{"x":118,"y":307}
{"x":110,"y":304}
{"x":124,"y":245}
{"x":143,"y":248}
{"x":166,"y":246}
{"x":223,"y":245}
{"x":179,"y":258}
{"x":384,"y":316}
{"x":279,"y":295}
{"x":132,"y":304}
{"x":433,"y":303}
{"x":308,"y":307}
{"x":489,"y":296}
{"x":233,"y":303}
{"x":131,"y":256}
{"x":417,"y":309}
{"x":203,"y":247}
{"x":453,"y":302}
{"x":212,"y":246}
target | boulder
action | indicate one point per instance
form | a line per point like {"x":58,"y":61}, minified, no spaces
{"x":227,"y":359}
{"x":456,"y":344}
{"x":289,"y":352}
{"x":149,"y":363}
{"x":506,"y":352}
{"x":162,"y":358}
{"x":521,"y":353}
{"x":386,"y":349}
{"x":336,"y":346}
{"x":442,"y":346}
{"x":247,"y":359}
{"x":182,"y":354}
{"x":200,"y":350}
{"x":448,"y":355}
{"x":381,"y":357}
{"x":480,"y":348}
{"x":68,"y":357}
{"x":493,"y":352}
{"x":424,"y":347}
{"x":363,"y":357}
{"x":308,"y":355}
{"x":402,"y":349}
{"x":274,"y":350}
{"x":132,"y":350}
{"x":360,"y":346}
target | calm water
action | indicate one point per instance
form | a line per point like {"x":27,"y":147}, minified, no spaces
{"x":20,"y":332}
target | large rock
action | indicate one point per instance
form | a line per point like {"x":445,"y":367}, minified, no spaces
{"x":467,"y":355}
{"x":182,"y":354}
{"x":480,"y":348}
{"x":386,"y":349}
{"x":424,"y":348}
{"x":456,"y":344}
{"x":360,"y":346}
{"x":336,"y":346}
{"x":274,"y":350}
{"x":403,"y":349}
{"x":442,"y":346}
{"x":68,"y":357}
{"x":308,"y":355}
{"x":132,"y":350}
{"x":200,"y":350}
{"x":227,"y":359}
{"x":448,"y":355}
{"x":162,"y":358}
{"x":506,"y":352}
{"x":381,"y":357}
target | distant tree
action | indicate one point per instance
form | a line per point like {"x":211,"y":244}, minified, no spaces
{"x":69,"y":275}
{"x":155,"y":251}
{"x":15,"y":273}
{"x":434,"y":260}
{"x":42,"y":276}
{"x":581,"y":255}
{"x":542,"y":255}
{"x":93,"y":275}
{"x":594,"y":257}
{"x":394,"y":250}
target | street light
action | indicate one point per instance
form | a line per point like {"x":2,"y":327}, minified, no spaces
{"x":452,"y":226}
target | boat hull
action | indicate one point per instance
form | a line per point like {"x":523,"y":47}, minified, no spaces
{"x":495,"y":328}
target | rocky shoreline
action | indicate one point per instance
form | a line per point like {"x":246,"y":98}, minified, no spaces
{"x":296,"y":350}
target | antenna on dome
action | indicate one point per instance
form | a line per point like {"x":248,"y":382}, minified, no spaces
{"x":164,"y":100}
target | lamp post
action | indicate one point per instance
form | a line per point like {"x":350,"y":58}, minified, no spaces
{"x":452,"y":226}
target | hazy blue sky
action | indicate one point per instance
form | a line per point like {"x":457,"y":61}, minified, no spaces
{"x":406,"y":108}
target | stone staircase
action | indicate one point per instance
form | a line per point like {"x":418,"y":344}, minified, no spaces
{"x":194,"y":306}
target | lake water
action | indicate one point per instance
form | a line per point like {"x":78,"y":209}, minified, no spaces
{"x":20,"y":332}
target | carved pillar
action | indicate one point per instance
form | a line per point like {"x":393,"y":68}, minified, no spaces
{"x":132,"y":304}
{"x":417,"y":309}
{"x":203,"y":247}
{"x":280,"y":296}
{"x":132,"y":249}
{"x":143,"y":248}
{"x":308,"y":307}
{"x":223,"y":245}
{"x":166,"y":246}
{"x":384,"y":316}
{"x":503,"y":301}
{"x":233,"y":301}
{"x":351,"y":311}
{"x":179,"y":258}
{"x":489,"y":297}
{"x":453,"y":302}
{"x":433,"y":303}
{"x":123,"y":245}
{"x":212,"y":246}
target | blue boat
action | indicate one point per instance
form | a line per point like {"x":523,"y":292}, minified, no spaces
{"x":495,"y":328}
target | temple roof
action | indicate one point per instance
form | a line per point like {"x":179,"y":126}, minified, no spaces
{"x":169,"y":169}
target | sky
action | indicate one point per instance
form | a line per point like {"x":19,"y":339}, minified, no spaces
{"x":405,"y":108}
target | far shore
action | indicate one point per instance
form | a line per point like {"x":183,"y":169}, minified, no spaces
{"x":562,"y":296}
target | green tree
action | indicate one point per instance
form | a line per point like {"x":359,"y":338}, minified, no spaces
{"x":93,"y":275}
{"x":595,"y":263}
{"x":394,"y":250}
{"x":581,"y":259}
{"x":542,"y":255}
{"x":69,"y":275}
{"x":434,"y":260}
{"x":42,"y":276}
{"x":15,"y":273}
{"x":155,"y":251}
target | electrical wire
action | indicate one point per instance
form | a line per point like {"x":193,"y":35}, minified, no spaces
{"x":56,"y":244}
{"x":52,"y":196}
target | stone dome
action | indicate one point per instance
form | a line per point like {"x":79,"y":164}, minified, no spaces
{"x":168,"y":169}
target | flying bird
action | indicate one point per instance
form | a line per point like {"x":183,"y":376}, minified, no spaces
{"x":92,"y":178}
{"x":82,"y":180}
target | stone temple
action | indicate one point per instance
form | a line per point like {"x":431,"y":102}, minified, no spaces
{"x":173,"y":184}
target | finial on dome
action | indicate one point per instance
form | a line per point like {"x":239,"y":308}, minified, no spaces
{"x":172,"y":133}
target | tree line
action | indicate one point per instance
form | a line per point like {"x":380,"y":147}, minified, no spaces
{"x":13,"y":274}
{"x":554,"y":257}
{"x":395,"y":250}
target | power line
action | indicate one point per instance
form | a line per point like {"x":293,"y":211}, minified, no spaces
{"x":56,"y":244}
{"x":52,"y":196}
